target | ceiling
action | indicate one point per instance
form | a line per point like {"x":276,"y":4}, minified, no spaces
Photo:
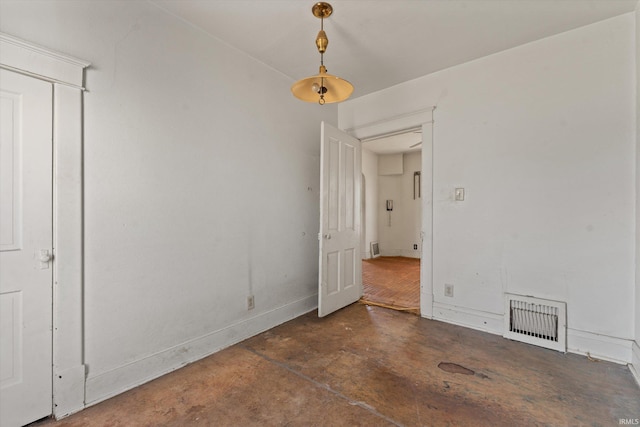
{"x":401,"y":143}
{"x":376,"y":44}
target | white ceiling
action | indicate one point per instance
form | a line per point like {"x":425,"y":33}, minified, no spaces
{"x":402,"y":143}
{"x":379,"y":43}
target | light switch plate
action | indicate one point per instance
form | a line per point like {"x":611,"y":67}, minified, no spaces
{"x":459,"y":194}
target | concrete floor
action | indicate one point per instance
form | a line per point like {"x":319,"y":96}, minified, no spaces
{"x":371,"y":366}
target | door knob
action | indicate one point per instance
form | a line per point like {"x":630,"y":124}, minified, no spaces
{"x":327,"y":236}
{"x":44,"y":257}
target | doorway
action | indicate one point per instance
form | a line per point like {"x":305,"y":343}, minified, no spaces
{"x":392,"y":220}
{"x":392,"y":282}
{"x":66,"y":369}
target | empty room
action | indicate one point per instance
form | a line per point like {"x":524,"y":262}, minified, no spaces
{"x":190,"y":189}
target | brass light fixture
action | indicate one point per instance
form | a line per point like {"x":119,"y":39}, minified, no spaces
{"x":323,"y":88}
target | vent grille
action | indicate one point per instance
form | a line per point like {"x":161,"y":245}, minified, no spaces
{"x":375,"y":250}
{"x":536,"y":321}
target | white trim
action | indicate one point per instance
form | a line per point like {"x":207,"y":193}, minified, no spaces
{"x":39,"y":76}
{"x":390,"y":134}
{"x":634,"y":366}
{"x":417,"y":119}
{"x":39,"y":61}
{"x":426,"y":228}
{"x":68,"y":340}
{"x":469,"y":318}
{"x":66,"y":75}
{"x":108,"y":384}
{"x":392,"y":125}
{"x":602,"y":347}
{"x":407,"y":253}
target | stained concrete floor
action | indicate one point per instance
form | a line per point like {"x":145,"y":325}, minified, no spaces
{"x":371,"y":366}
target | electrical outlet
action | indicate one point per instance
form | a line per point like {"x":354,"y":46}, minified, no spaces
{"x":448,"y":290}
{"x":415,"y":247}
{"x":251,"y":302}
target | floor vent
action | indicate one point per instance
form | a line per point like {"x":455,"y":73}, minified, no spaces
{"x":536,"y":321}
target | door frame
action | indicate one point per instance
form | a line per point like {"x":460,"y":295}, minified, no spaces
{"x":66,"y":75}
{"x":400,"y":124}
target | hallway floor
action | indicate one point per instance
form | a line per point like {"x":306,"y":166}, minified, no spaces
{"x":392,"y":282}
{"x":371,"y":366}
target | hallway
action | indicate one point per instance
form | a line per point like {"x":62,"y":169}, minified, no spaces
{"x":392,"y":282}
{"x":371,"y":366}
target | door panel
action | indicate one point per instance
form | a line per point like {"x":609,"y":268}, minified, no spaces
{"x":10,"y":209}
{"x":10,"y":338}
{"x":25,"y":244}
{"x":340,"y":281}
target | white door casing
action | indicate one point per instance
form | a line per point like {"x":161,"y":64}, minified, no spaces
{"x":26,"y":245}
{"x":340,"y":268}
{"x":424,"y":119}
{"x":66,"y":75}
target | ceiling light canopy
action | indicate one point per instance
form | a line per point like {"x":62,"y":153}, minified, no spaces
{"x":323,"y":88}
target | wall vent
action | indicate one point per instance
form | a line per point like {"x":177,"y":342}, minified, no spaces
{"x":375,"y":250}
{"x":536,"y":321}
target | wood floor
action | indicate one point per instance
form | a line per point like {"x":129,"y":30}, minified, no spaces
{"x":371,"y":366}
{"x":392,"y":282}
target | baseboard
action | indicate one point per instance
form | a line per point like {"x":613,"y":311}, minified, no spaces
{"x":392,"y":252}
{"x":634,"y":366}
{"x":121,"y":379}
{"x":468,"y":317}
{"x":408,"y":253}
{"x":598,"y":346}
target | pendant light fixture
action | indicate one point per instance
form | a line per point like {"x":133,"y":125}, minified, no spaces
{"x":322,"y":88}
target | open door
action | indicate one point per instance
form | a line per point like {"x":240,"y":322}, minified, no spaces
{"x":26,"y":245}
{"x":340,"y":270}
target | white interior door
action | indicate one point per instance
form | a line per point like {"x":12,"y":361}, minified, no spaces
{"x":25,"y":246}
{"x":340,"y":270}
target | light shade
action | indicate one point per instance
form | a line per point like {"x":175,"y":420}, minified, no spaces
{"x":308,"y":89}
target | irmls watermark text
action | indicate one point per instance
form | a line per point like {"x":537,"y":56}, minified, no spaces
{"x":629,"y":421}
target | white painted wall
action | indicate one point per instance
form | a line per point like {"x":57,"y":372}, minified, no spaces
{"x":542,"y":137}
{"x":390,"y":164}
{"x":370,"y":208}
{"x":201,"y":187}
{"x":397,"y":236}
